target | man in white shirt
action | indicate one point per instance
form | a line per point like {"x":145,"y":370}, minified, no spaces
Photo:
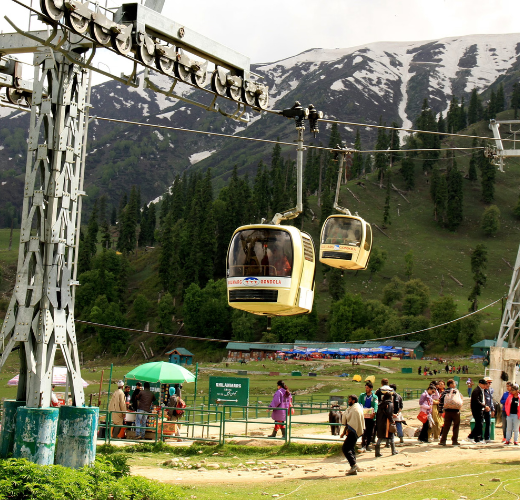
{"x":117,"y":404}
{"x":354,"y":421}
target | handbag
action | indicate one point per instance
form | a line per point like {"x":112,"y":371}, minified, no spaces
{"x":423,"y":417}
{"x":392,"y":428}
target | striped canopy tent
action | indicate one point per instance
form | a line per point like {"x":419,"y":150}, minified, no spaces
{"x":59,"y":377}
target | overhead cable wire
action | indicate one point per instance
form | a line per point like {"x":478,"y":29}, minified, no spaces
{"x":218,"y":134}
{"x":135,"y":330}
{"x":449,"y":134}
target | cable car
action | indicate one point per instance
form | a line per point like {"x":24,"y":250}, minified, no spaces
{"x":270,"y":270}
{"x":346,"y":242}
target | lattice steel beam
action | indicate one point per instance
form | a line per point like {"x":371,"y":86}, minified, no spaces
{"x":41,"y":312}
{"x":509,"y":329}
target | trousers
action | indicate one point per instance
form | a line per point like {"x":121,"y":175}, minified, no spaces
{"x":366,"y":439}
{"x":140,"y":421}
{"x":512,"y":427}
{"x":487,"y":427}
{"x":450,"y":417}
{"x":423,"y":436}
{"x":349,"y":446}
{"x":476,"y":433}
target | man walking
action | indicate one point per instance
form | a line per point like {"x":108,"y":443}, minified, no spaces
{"x":488,"y":415}
{"x":354,"y":423}
{"x":369,"y":403}
{"x":117,"y":404}
{"x":145,"y":400}
{"x":398,"y":407}
{"x":478,"y":406}
{"x":450,"y":403}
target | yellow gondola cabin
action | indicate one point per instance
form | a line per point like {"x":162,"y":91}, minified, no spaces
{"x":345,"y":242}
{"x":270,"y":270}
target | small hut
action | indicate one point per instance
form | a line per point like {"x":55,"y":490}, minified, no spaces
{"x":180,"y":356}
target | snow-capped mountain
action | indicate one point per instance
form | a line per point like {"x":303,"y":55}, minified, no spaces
{"x":358,"y":84}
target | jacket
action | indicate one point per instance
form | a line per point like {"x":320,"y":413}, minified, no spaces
{"x":353,"y":417}
{"x":133,"y":399}
{"x":385,"y":413}
{"x":282,"y":399}
{"x":426,"y":403}
{"x":478,"y":402}
{"x":507,"y":406}
{"x":504,"y":398}
{"x":117,"y":401}
{"x":398,"y":402}
{"x":488,"y":398}
{"x":145,"y":398}
{"x":374,"y":403}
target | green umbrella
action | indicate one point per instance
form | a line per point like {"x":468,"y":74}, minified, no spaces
{"x":161,"y":371}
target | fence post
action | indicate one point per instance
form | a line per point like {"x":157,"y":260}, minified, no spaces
{"x":108,"y":423}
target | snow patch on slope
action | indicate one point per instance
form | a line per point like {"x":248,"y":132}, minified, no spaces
{"x":195,"y":158}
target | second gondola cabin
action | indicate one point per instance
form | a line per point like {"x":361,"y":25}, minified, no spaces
{"x":346,"y":242}
{"x":271,"y":270}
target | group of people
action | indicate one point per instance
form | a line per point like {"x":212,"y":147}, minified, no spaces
{"x":449,"y":369}
{"x":141,"y":401}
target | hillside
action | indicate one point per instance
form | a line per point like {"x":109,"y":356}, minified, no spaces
{"x":357,"y":84}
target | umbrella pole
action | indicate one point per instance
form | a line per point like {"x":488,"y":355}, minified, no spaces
{"x":110,"y":384}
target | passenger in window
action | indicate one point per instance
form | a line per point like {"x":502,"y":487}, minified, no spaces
{"x":279,"y":262}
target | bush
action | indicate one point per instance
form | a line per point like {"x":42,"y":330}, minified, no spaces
{"x":107,"y":478}
{"x":490,"y":222}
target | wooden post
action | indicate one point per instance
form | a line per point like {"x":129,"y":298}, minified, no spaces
{"x":100,"y":387}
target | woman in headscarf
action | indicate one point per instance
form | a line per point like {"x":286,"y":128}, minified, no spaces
{"x":385,"y":421}
{"x":172,"y":413}
{"x":282,"y":399}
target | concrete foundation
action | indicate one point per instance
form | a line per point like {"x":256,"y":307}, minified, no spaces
{"x":503,"y":359}
{"x":77,"y":435}
{"x":9,"y":426}
{"x":35,"y":437}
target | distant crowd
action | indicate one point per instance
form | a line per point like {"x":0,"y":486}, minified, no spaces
{"x":377,"y":417}
{"x":449,"y":369}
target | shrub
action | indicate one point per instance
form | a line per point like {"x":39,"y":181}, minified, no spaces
{"x":490,"y":222}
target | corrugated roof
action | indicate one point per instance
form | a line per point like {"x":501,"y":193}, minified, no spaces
{"x":244,"y":346}
{"x":181,"y":351}
{"x":485,"y":343}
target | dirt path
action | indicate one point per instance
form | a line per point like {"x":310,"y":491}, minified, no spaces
{"x":411,"y":456}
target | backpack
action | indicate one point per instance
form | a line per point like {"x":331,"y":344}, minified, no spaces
{"x":180,"y":404}
{"x":453,"y":400}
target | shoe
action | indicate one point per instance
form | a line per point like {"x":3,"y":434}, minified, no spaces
{"x":423,"y":442}
{"x":516,"y":443}
{"x":395,"y":452}
{"x":369,"y":448}
{"x":455,"y":444}
{"x":504,"y":440}
{"x":488,"y":441}
{"x":441,"y":443}
{"x":401,"y":440}
{"x":472,"y":441}
{"x":507,"y":442}
{"x":362,"y":450}
{"x":273,"y":434}
{"x":378,"y":450}
{"x":353,"y":471}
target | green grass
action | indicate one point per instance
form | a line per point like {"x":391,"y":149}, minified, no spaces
{"x":428,"y":482}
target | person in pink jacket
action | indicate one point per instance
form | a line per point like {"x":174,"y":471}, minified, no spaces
{"x":282,"y":399}
{"x":512,"y":412}
{"x":426,"y":404}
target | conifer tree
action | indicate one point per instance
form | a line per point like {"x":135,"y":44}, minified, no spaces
{"x":357,"y":158}
{"x":473,"y":108}
{"x":427,"y":122}
{"x":454,"y":207}
{"x":452,"y":119}
{"x":487,"y":179}
{"x":262,"y":192}
{"x":501,"y":100}
{"x":336,"y":284}
{"x":128,"y":224}
{"x":490,"y":222}
{"x":408,"y":172}
{"x":439,"y":194}
{"x":441,"y":125}
{"x":166,"y":254}
{"x":113,"y":216}
{"x":152,"y":222}
{"x":463,"y":117}
{"x":394,"y":143}
{"x":478,"y":267}
{"x":491,"y":110}
{"x":277,"y":180}
{"x":386,"y":212}
{"x":381,"y":159}
{"x":87,"y":246}
{"x":143,"y":229}
{"x":367,"y":166}
{"x":515,"y":99}
{"x":472,"y":172}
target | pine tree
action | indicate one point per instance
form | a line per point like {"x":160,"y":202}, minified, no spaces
{"x":463,"y":117}
{"x":441,"y":125}
{"x":277,"y":180}
{"x":113,"y":217}
{"x":501,"y":100}
{"x":167,"y":252}
{"x":452,"y":118}
{"x":515,"y":99}
{"x":386,"y":212}
{"x":472,"y":172}
{"x":408,"y":172}
{"x":367,"y":167}
{"x":394,"y":143}
{"x":128,"y":224}
{"x":87,"y":245}
{"x":488,"y":178}
{"x":490,"y":222}
{"x":491,"y":111}
{"x":152,"y":222}
{"x":473,"y":108}
{"x":143,"y":229}
{"x":454,"y":207}
{"x":357,"y":158}
{"x":439,"y":194}
{"x":478,"y":266}
{"x":427,"y":122}
{"x":381,"y":159}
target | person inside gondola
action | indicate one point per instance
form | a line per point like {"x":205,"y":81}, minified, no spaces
{"x":279,"y":261}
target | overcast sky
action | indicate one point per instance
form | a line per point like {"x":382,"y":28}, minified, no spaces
{"x":270,"y":30}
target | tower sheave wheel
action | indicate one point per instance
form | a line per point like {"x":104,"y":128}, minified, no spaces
{"x":248,"y":97}
{"x":101,"y":35}
{"x":144,"y":56}
{"x":200,"y":80}
{"x":164,"y":64}
{"x":78,"y":23}
{"x":49,"y":9}
{"x":182,"y":73}
{"x":235,"y":93}
{"x":122,"y":46}
{"x":216,"y":84}
{"x":262,"y":100}
{"x":14,"y":96}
